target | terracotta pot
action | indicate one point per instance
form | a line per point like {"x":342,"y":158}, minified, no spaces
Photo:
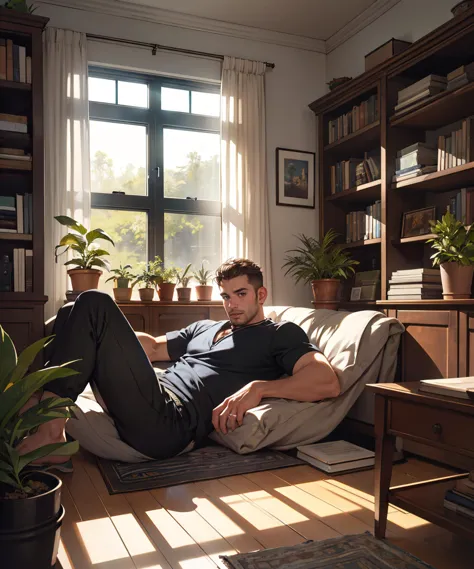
{"x":122,"y":294}
{"x":326,"y":293}
{"x":146,"y":294}
{"x":84,"y":279}
{"x":166,"y":291}
{"x":204,"y":293}
{"x":456,"y":280}
{"x":184,"y":294}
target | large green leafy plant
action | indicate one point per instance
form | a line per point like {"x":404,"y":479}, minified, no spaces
{"x":315,"y":260}
{"x":83,"y":242}
{"x":17,"y":385}
{"x":453,"y":242}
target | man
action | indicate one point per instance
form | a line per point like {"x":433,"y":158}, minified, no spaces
{"x":221,"y":370}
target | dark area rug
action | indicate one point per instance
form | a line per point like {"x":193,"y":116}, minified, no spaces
{"x":348,"y":552}
{"x":202,"y":464}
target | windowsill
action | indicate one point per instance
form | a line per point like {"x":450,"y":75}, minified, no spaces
{"x":137,"y":302}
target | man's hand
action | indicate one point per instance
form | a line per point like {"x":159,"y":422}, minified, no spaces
{"x":230,"y":413}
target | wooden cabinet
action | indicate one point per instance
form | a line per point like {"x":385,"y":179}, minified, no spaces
{"x":23,"y":322}
{"x":158,"y":318}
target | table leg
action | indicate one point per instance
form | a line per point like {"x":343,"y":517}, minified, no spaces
{"x":384,"y":448}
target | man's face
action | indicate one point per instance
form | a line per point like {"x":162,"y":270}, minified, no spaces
{"x":243,"y":304}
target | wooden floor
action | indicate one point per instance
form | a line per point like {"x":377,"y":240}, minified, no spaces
{"x":189,"y":526}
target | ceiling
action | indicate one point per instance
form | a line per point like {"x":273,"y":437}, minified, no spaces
{"x":318,"y":19}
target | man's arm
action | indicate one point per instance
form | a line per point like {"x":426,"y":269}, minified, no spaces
{"x":155,"y":348}
{"x":313,"y":379}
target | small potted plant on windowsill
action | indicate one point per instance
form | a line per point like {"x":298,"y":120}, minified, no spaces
{"x":184,"y":291}
{"x":165,"y":279}
{"x":122,"y":277}
{"x":323,"y":264}
{"x":87,"y":253}
{"x":31,"y":513}
{"x":203,"y":290}
{"x":147,"y":278}
{"x":454,"y":245}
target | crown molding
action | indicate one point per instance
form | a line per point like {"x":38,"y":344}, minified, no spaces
{"x":372,"y":13}
{"x":130,"y":10}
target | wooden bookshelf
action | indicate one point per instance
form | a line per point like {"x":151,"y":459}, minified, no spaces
{"x":353,"y":142}
{"x":22,"y":313}
{"x":362,"y":243}
{"x":442,"y":181}
{"x":365,"y":192}
{"x":416,"y":239}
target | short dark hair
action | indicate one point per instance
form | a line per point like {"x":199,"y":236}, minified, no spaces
{"x":233,"y":268}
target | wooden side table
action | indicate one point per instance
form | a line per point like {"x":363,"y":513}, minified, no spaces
{"x":442,"y":422}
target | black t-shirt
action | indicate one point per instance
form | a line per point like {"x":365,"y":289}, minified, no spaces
{"x":204,"y":374}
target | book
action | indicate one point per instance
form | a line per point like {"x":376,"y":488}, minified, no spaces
{"x":420,"y":271}
{"x":459,"y":387}
{"x":458,"y":509}
{"x":464,"y":501}
{"x":336,"y":456}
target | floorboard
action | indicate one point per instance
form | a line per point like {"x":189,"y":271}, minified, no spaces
{"x":190,"y":526}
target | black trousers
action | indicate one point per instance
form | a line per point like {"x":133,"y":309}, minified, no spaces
{"x":94,"y":331}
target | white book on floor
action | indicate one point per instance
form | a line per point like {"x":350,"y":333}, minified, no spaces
{"x":336,"y":456}
{"x":460,"y":387}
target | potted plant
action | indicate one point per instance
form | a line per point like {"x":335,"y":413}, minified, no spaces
{"x":122,"y":277}
{"x":88,"y":255}
{"x":30,"y":501}
{"x":165,"y":279}
{"x":454,"y":244}
{"x":182,"y":278}
{"x":203,"y":290}
{"x":147,"y":278}
{"x":323,"y":264}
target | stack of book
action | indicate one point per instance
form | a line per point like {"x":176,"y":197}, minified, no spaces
{"x":360,"y":116}
{"x":15,"y":65}
{"x":457,"y":148}
{"x":336,"y":456}
{"x":460,"y":76}
{"x":415,"y":160}
{"x":16,"y":214}
{"x":415,"y":284}
{"x":419,"y":92}
{"x":354,"y":172}
{"x":461,"y":498}
{"x":459,"y":387}
{"x":363,"y":225}
{"x":13,"y":123}
{"x":22,"y":270}
{"x":15,"y":157}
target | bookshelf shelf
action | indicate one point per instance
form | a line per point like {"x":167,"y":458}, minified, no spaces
{"x":441,"y":181}
{"x":363,"y":193}
{"x":366,"y":136}
{"x":442,"y":109}
{"x":362,"y":243}
{"x":22,"y":165}
{"x":22,"y":297}
{"x":4,"y":84}
{"x":16,"y":237}
{"x":417,"y":239}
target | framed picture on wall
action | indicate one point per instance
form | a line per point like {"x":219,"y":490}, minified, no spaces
{"x":295,"y":178}
{"x":417,"y":222}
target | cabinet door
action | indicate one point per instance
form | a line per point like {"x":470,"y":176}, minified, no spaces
{"x":466,"y":344}
{"x":24,"y":325}
{"x":168,"y":318}
{"x":138,"y":317}
{"x":429,"y":346}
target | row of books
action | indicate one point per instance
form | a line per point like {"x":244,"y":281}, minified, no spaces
{"x":22,"y":270}
{"x":457,"y":148}
{"x":13,"y":123}
{"x":415,"y":284}
{"x":363,"y":225}
{"x":360,"y":116}
{"x":16,"y":214}
{"x":15,"y":65}
{"x":414,"y":160}
{"x":350,"y":173}
{"x":462,"y":206}
{"x":461,"y":498}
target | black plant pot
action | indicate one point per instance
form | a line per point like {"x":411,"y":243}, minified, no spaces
{"x":30,"y":527}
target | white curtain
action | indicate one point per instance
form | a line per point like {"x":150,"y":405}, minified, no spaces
{"x":66,"y":134}
{"x":245,"y":220}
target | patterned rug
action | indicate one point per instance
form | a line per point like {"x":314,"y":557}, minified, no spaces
{"x":202,"y":464}
{"x":348,"y":552}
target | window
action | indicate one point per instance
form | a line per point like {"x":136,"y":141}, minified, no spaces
{"x":155,"y":146}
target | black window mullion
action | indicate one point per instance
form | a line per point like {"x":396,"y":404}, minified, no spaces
{"x":192,"y":207}
{"x":156,"y":221}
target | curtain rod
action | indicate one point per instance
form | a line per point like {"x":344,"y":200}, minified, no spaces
{"x":155,"y":47}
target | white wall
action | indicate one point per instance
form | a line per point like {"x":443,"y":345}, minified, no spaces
{"x":408,"y":20}
{"x":297,"y":80}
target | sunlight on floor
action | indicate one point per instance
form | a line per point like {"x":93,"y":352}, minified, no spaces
{"x":227,"y":528}
{"x":407,"y":521}
{"x":137,"y":540}
{"x":343,"y":503}
{"x":309,"y":502}
{"x":101,"y":541}
{"x":169,"y":529}
{"x":276,"y":507}
{"x":250,"y":513}
{"x":63,"y":557}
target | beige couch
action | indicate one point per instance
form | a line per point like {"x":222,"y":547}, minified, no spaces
{"x":362,"y":348}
